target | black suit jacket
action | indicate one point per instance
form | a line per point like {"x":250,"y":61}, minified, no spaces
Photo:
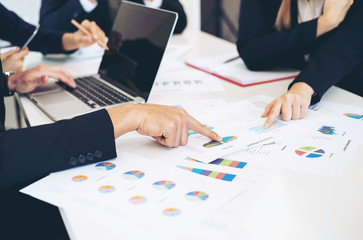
{"x":57,"y":14}
{"x":28,"y":154}
{"x":335,"y":57}
{"x":17,"y":31}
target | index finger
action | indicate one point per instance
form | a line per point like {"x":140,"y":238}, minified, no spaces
{"x":196,"y":126}
{"x":61,"y":74}
{"x":274,"y":113}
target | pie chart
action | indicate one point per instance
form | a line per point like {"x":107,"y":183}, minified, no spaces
{"x":164,"y":185}
{"x":105,"y":166}
{"x":197,"y":196}
{"x":171,"y":212}
{"x":310,"y":152}
{"x":133,"y":175}
{"x":137,"y":200}
{"x":106,"y":189}
{"x":79,"y":178}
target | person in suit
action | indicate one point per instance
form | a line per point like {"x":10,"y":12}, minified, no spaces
{"x":57,"y":14}
{"x":29,"y":154}
{"x":47,"y":40}
{"x":322,"y":38}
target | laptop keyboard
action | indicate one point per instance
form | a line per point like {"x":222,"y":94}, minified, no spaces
{"x":94,"y":93}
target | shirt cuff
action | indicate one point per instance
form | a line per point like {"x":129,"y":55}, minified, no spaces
{"x":88,"y":6}
{"x":153,"y":3}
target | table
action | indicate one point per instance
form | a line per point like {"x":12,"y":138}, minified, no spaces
{"x":295,"y":205}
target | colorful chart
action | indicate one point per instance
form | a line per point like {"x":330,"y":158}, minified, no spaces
{"x":261,"y":129}
{"x":228,"y":163}
{"x":310,"y":152}
{"x":171,"y":212}
{"x":217,"y":175}
{"x":164,"y":185}
{"x":191,"y":132}
{"x":137,"y":200}
{"x":353,"y":115}
{"x":224,"y":140}
{"x":327,"y":130}
{"x":106,"y":189}
{"x":197,"y":196}
{"x":133,"y":175}
{"x":193,"y":160}
{"x":79,"y":178}
{"x":105,"y":166}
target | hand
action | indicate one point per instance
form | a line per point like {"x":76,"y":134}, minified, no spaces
{"x":333,"y":14}
{"x":292,"y":105}
{"x":27,"y":81}
{"x":13,"y":60}
{"x":78,"y":39}
{"x":168,"y":125}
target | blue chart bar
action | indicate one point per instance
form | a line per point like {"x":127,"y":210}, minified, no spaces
{"x":217,"y":175}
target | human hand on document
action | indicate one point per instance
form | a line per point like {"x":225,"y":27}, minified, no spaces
{"x":27,"y":81}
{"x":292,"y":105}
{"x":13,"y":60}
{"x":168,"y":125}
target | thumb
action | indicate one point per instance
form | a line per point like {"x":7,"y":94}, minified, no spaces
{"x":9,"y":53}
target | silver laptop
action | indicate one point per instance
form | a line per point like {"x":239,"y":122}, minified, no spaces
{"x":127,"y":72}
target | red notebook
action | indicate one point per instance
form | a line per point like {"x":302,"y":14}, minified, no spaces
{"x":232,"y":69}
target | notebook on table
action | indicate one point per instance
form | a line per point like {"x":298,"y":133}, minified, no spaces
{"x":231,"y":68}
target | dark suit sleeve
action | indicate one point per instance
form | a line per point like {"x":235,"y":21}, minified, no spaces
{"x":29,"y":154}
{"x":262,"y":47}
{"x":337,"y":56}
{"x":57,"y":14}
{"x":175,"y":6}
{"x":17,"y":31}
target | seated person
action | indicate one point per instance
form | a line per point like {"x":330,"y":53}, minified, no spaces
{"x":29,"y":154}
{"x":322,"y":38}
{"x":57,"y":14}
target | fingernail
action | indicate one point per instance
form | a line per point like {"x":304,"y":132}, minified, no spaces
{"x":219,"y":138}
{"x":267,"y":125}
{"x":95,"y":36}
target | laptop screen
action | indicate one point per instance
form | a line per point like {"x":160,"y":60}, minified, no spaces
{"x":137,"y":43}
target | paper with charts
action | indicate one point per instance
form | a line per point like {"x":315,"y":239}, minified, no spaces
{"x":240,"y":125}
{"x":134,"y":195}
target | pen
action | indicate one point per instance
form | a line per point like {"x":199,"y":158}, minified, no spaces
{"x":230,"y":60}
{"x":82,"y":29}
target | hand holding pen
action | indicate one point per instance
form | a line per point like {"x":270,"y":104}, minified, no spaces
{"x":88,"y":33}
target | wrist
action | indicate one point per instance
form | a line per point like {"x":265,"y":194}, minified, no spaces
{"x":325,"y":24}
{"x":69,"y":42}
{"x":10,"y":83}
{"x":124,"y":119}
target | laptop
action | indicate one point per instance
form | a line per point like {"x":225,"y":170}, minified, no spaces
{"x":127,"y":72}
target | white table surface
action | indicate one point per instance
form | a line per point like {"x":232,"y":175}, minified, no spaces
{"x":295,"y":205}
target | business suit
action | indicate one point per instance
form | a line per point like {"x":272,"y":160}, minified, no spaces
{"x":56,"y":14}
{"x":17,"y":31}
{"x":29,"y":154}
{"x":335,"y":58}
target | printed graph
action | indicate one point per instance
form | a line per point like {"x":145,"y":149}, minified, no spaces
{"x":191,"y":132}
{"x":137,"y":200}
{"x":171,"y":212}
{"x":212,"y":174}
{"x":79,"y":178}
{"x":310,"y":152}
{"x":196,"y":196}
{"x":228,"y":163}
{"x":105,"y":166}
{"x":106,"y":189}
{"x":193,"y":160}
{"x":353,"y":115}
{"x":328,"y":130}
{"x":261,"y":129}
{"x":133,"y":175}
{"x":224,"y":140}
{"x":164,"y":185}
